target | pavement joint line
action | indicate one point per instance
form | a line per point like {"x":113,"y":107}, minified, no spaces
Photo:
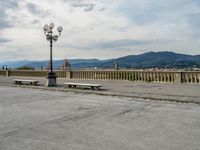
{"x":64,"y":89}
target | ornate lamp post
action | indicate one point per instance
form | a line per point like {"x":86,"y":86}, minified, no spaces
{"x":48,"y":31}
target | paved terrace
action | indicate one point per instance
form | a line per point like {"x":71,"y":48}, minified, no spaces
{"x":188,"y":93}
{"x":35,"y":119}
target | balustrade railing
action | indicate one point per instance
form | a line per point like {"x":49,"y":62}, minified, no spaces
{"x":140,"y":76}
{"x":2,"y":73}
{"x":31,"y":73}
{"x":191,"y":77}
{"x":130,"y":75}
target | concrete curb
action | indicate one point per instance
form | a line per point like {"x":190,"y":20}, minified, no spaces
{"x":188,"y":100}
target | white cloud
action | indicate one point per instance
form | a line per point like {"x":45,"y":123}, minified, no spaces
{"x":161,"y":25}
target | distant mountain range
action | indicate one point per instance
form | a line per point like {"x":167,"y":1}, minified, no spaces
{"x":147,"y":60}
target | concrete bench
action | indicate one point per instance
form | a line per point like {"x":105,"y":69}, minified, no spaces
{"x":20,"y":81}
{"x":92,"y":86}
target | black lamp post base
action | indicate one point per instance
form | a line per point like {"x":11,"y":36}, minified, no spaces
{"x":51,"y":80}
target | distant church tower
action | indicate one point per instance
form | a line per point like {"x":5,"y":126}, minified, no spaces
{"x":116,"y":66}
{"x":66,"y":65}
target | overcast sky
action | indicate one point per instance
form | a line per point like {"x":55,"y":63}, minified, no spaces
{"x":98,"y":28}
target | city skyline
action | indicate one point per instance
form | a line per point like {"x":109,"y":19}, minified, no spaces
{"x":98,"y":29}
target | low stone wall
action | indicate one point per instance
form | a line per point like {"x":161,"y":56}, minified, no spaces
{"x":190,"y":77}
{"x":32,"y":73}
{"x":130,"y":75}
{"x":141,"y":76}
{"x":2,"y":73}
{"x":27,"y":73}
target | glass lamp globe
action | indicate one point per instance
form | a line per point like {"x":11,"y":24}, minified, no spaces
{"x":60,"y":29}
{"x":55,"y":38}
{"x":45,"y":27}
{"x":51,"y":25}
{"x":49,"y":30}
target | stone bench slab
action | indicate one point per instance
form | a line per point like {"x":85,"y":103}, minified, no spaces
{"x":20,"y":81}
{"x":92,"y":86}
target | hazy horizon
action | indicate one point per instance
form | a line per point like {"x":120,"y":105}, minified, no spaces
{"x":98,"y":29}
{"x":87,"y":58}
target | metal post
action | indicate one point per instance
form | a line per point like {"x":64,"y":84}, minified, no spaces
{"x":51,"y":62}
{"x":51,"y":78}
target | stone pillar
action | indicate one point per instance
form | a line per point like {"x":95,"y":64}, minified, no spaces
{"x":178,"y":77}
{"x":68,"y":74}
{"x":7,"y":73}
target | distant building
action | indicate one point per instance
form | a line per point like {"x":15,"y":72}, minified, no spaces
{"x":66,"y":65}
{"x":116,"y":66}
{"x":48,"y":66}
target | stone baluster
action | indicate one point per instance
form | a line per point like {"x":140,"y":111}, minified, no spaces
{"x":195,"y":78}
{"x":147,"y":74}
{"x":81,"y":74}
{"x":191,"y":78}
{"x":133,"y":76}
{"x":150,"y":77}
{"x":187,"y":78}
{"x":93,"y":75}
{"x":198,"y":78}
{"x":165,"y":78}
{"x":78,"y":75}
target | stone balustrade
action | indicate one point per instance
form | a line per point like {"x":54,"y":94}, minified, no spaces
{"x":130,"y":75}
{"x":2,"y":73}
{"x":31,"y":73}
{"x":140,"y":76}
{"x":191,"y":77}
